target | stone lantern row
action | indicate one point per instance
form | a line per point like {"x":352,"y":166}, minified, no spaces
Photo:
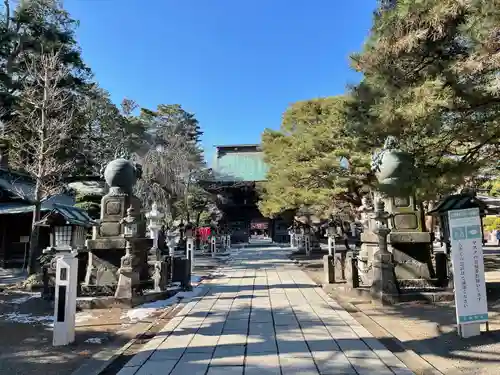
{"x":124,"y":254}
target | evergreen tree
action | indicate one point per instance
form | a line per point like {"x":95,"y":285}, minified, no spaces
{"x":430,"y":73}
{"x":313,"y":160}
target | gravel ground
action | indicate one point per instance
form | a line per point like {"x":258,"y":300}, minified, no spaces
{"x":26,"y":333}
{"x":429,"y":330}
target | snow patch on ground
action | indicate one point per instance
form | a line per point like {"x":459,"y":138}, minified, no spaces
{"x":93,"y":340}
{"x":218,"y":273}
{"x":143,"y":311}
{"x":23,"y":299}
{"x":15,"y":317}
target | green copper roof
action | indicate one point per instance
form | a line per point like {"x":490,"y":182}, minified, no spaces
{"x":240,"y":166}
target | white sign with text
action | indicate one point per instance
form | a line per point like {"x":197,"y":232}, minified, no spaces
{"x":468,"y":266}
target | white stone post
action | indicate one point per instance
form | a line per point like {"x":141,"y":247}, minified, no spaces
{"x":292,"y":238}
{"x":65,"y":299}
{"x":213,"y":245}
{"x":190,"y":247}
{"x":224,"y":242}
{"x":331,"y":246}
{"x":307,"y":243}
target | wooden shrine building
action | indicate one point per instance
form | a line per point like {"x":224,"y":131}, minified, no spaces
{"x":237,"y":170}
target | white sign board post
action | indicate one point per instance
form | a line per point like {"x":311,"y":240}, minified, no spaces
{"x":468,"y":270}
{"x":65,"y":299}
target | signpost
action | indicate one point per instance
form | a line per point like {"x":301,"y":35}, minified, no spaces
{"x":468,"y":270}
{"x":65,"y":299}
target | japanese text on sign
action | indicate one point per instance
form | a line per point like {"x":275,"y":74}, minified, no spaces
{"x":468,"y":266}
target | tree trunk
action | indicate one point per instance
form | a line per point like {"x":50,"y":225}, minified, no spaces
{"x":40,"y":175}
{"x":34,"y":240}
{"x":198,"y":218}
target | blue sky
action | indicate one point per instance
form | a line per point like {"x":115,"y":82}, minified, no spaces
{"x":236,"y":64}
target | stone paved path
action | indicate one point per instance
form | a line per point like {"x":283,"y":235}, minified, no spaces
{"x":263,"y":316}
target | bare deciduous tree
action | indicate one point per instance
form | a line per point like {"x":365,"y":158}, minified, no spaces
{"x":43,"y":124}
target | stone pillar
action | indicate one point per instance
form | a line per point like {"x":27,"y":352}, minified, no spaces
{"x":384,"y":287}
{"x":190,"y":247}
{"x":307,"y":244}
{"x":213,"y":245}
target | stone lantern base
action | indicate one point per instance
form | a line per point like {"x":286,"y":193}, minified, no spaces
{"x":384,"y":288}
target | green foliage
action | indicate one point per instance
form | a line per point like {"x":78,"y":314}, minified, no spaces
{"x":90,"y":203}
{"x":172,"y":161}
{"x":493,"y":187}
{"x":33,"y":28}
{"x":313,"y":160}
{"x":490,"y":223}
{"x":431,"y":79}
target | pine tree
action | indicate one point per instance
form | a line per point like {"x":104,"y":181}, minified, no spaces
{"x":430,"y":73}
{"x":313,"y":160}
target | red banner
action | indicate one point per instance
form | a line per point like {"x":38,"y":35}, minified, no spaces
{"x":259,"y":225}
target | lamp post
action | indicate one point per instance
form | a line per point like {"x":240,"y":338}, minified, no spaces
{"x":67,"y":240}
{"x":128,"y":280}
{"x":68,"y":229}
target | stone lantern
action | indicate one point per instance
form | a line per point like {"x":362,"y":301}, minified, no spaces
{"x":129,"y":272}
{"x":68,"y":229}
{"x":397,"y":237}
{"x":158,"y":269}
{"x":155,"y":217}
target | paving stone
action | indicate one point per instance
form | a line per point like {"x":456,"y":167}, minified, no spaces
{"x":355,"y":348}
{"x":139,"y":358}
{"x":202,"y":344}
{"x":232,"y":339}
{"x":262,"y":364}
{"x":228,"y":355}
{"x":402,"y":371}
{"x":370,"y":366}
{"x":261,"y":317}
{"x":333,"y":362}
{"x":266,"y":346}
{"x":238,"y":325}
{"x":167,"y":354}
{"x":128,"y":370}
{"x":292,"y":347}
{"x":191,"y":363}
{"x":297,"y":364}
{"x":156,"y":367}
{"x":225,"y":370}
{"x":264,"y":305}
